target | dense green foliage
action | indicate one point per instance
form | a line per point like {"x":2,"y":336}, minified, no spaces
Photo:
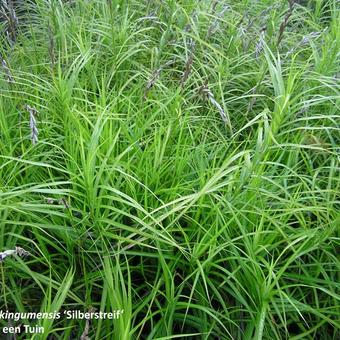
{"x":175,"y":159}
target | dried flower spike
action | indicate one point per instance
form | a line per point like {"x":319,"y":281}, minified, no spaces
{"x":17,"y":251}
{"x":85,"y":335}
{"x":285,"y":21}
{"x":64,"y":203}
{"x":306,"y":39}
{"x":49,"y":200}
{"x":188,"y":64}
{"x":33,"y":112}
{"x":8,"y":72}
{"x":260,"y":43}
{"x":11,"y":19}
{"x":154,"y":77}
{"x":215,"y":24}
{"x":211,"y":98}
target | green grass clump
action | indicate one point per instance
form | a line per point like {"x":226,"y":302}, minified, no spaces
{"x":178,"y":160}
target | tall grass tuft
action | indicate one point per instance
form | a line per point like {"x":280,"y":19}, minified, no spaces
{"x":183,"y":167}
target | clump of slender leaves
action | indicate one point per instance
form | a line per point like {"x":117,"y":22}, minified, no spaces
{"x":186,"y":170}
